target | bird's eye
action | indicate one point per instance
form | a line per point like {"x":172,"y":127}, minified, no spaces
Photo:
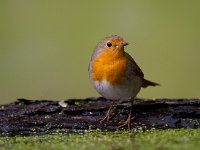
{"x":109,"y":44}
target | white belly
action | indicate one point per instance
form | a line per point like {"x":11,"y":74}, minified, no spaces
{"x":121,"y":92}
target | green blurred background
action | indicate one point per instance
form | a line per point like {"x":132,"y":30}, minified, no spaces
{"x":46,"y":45}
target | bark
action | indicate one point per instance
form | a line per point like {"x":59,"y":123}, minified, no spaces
{"x":45,"y":116}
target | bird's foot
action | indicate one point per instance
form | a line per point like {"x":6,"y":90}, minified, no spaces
{"x":127,"y":122}
{"x":109,"y":115}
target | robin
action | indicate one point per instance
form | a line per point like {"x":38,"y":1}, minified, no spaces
{"x":115,"y":75}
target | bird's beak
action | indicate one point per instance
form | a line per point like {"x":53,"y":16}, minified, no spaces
{"x":124,"y":43}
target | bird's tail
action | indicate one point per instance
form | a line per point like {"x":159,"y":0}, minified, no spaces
{"x":146,"y":83}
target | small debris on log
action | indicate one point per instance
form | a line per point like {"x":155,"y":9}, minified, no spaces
{"x":45,"y":116}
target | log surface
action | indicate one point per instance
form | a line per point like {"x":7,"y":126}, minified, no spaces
{"x":45,"y":116}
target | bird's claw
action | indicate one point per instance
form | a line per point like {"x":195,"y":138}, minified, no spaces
{"x":106,"y":118}
{"x":126,"y":123}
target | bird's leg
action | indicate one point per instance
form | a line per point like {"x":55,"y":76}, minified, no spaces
{"x":129,"y":119}
{"x":108,"y":114}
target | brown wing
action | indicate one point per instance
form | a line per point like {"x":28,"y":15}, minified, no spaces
{"x":133,"y":68}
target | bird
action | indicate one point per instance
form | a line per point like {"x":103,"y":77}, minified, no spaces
{"x":115,"y":75}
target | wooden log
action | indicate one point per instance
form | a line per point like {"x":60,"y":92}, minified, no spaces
{"x":45,"y":116}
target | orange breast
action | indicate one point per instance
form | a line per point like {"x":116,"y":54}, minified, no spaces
{"x":109,"y":66}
